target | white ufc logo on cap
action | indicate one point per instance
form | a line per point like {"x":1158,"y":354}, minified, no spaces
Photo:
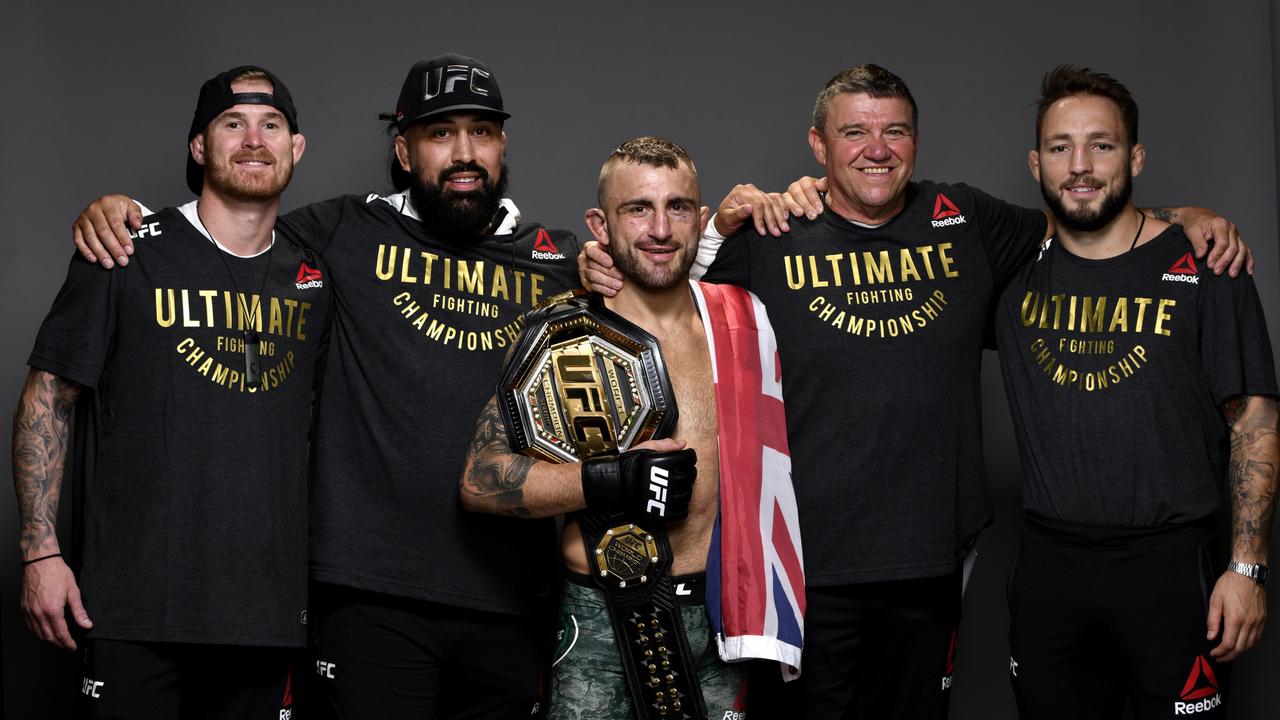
{"x":447,"y":78}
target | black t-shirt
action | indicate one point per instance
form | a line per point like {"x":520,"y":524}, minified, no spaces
{"x":1115,"y":370}
{"x":880,"y":334}
{"x":420,"y":331}
{"x":195,"y":493}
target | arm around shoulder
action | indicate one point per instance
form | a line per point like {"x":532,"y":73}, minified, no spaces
{"x":101,"y":232}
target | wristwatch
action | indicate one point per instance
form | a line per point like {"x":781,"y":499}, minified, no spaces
{"x":1256,"y":572}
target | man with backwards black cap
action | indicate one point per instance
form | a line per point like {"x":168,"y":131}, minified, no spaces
{"x":199,"y":358}
{"x":421,"y":609}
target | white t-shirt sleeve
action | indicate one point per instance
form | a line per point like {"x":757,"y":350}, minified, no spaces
{"x":708,"y":247}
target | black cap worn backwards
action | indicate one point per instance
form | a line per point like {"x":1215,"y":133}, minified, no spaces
{"x":216,"y":96}
{"x":447,"y":83}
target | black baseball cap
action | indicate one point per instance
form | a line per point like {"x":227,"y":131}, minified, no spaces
{"x":447,"y":83}
{"x":216,"y":96}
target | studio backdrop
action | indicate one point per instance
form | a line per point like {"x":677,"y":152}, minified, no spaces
{"x":98,"y":98}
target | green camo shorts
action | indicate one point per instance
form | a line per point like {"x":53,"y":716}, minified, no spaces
{"x":587,"y":681}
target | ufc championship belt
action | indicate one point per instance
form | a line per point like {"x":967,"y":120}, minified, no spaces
{"x":583,"y":382}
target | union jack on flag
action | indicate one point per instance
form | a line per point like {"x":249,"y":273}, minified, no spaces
{"x":755,"y":566}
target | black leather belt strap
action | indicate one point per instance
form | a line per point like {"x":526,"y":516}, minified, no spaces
{"x":632,"y":565}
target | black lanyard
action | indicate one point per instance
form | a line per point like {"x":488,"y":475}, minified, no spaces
{"x":252,"y":349}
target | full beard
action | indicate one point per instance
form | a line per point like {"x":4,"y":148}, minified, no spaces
{"x":1083,"y":219}
{"x":452,"y":213}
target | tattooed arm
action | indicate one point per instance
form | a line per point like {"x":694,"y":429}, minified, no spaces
{"x":499,"y":481}
{"x":39,"y":455}
{"x":1239,"y":606}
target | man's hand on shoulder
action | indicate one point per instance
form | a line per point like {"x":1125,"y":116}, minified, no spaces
{"x":100,"y":232}
{"x":768,"y":212}
{"x":804,"y":196}
{"x":596,"y":270}
{"x":48,"y":590}
{"x":1213,"y":235}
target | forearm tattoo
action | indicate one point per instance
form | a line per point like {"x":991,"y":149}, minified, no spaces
{"x":40,"y":426}
{"x":1255,"y":451}
{"x":1168,"y":215}
{"x":494,"y":477}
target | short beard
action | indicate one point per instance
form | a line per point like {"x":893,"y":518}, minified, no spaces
{"x":628,"y":263}
{"x":452,"y":214}
{"x":1085,"y":220}
{"x":223,"y":179}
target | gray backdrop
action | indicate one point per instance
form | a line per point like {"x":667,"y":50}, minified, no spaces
{"x":98,"y":98}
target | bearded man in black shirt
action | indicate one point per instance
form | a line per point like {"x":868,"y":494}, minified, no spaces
{"x":1137,"y":382}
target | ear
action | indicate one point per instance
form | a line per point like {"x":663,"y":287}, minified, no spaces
{"x":1033,"y":161}
{"x":705,"y":215}
{"x":819,"y":146}
{"x":597,"y":224}
{"x":299,"y":145}
{"x":1137,"y":159}
{"x":402,"y":153}
{"x":197,"y":148}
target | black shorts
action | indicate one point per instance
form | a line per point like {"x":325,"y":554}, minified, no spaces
{"x":147,"y":680}
{"x":380,"y":656}
{"x":881,"y":650}
{"x":1101,"y":616}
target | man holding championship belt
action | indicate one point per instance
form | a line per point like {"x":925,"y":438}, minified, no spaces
{"x":703,"y":487}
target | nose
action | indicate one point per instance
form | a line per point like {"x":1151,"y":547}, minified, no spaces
{"x":463,"y":151}
{"x":1081,"y":162}
{"x":876,"y":148}
{"x":252,"y":136}
{"x":660,"y":228}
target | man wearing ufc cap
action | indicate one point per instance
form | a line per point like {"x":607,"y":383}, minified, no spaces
{"x":425,"y":610}
{"x":421,"y":609}
{"x":196,"y":365}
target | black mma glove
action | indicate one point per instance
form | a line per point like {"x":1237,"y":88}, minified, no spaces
{"x":642,"y":483}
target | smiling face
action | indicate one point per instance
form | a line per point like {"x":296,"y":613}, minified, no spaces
{"x":868,"y":148}
{"x":457,"y":174}
{"x":1085,"y":164}
{"x":248,"y":151}
{"x":651,"y":220}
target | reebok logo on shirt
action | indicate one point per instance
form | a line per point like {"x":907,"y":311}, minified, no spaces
{"x":308,"y":277}
{"x":544,"y":249}
{"x":1200,"y":693}
{"x":1184,"y":270}
{"x":946,"y":213}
